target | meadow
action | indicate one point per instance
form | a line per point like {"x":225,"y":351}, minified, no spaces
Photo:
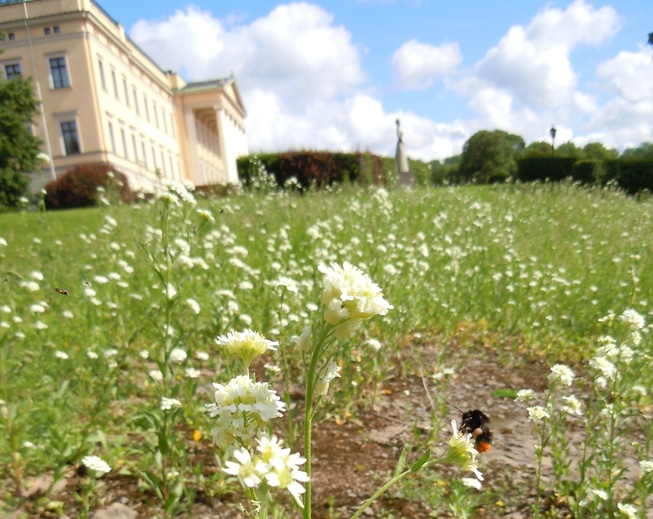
{"x":109,"y":319}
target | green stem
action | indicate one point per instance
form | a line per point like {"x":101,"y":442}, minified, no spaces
{"x":379,"y":492}
{"x":319,"y":347}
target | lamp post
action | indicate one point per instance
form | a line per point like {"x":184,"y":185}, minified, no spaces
{"x":552,"y":132}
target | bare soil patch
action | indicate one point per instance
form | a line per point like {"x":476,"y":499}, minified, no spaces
{"x":353,"y":457}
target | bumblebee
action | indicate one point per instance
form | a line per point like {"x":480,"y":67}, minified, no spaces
{"x":476,"y":423}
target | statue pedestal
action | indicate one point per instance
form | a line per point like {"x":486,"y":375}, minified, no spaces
{"x":405,"y":179}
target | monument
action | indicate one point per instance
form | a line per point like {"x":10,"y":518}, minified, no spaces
{"x":404,"y":177}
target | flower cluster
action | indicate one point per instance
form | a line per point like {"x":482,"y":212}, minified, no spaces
{"x":179,"y":192}
{"x":462,"y":451}
{"x":273,"y":465}
{"x":96,"y":464}
{"x":245,"y":345}
{"x":242,"y":408}
{"x":350,"y":295}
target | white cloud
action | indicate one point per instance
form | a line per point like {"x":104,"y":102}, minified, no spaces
{"x":533,"y":63}
{"x":416,"y":65}
{"x":304,"y":86}
{"x":627,"y":118}
{"x":188,"y":41}
{"x":625,"y":75}
{"x":295,"y":51}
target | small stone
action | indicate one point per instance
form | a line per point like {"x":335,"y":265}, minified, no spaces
{"x":116,"y":511}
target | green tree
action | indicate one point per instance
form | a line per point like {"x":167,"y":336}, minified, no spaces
{"x":597,"y":151}
{"x":643,"y":152}
{"x":538,"y":149}
{"x":569,"y":149}
{"x":490,"y":156}
{"x":19,"y":149}
{"x":445,"y":172}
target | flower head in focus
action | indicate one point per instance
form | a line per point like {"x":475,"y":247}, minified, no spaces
{"x":274,"y":466}
{"x":350,"y":295}
{"x":462,"y":452}
{"x":242,"y":409}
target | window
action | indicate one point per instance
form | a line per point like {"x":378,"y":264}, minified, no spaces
{"x":147,"y":111}
{"x":135,"y":148}
{"x":172,"y":127}
{"x":12,"y":70}
{"x":12,"y":36}
{"x":143,"y":153}
{"x":56,"y":29}
{"x":163,"y":162}
{"x":124,"y":85}
{"x":154,"y":158}
{"x":59,"y":72}
{"x":70,"y":138}
{"x":135,"y":97}
{"x":47,"y":31}
{"x":103,"y":79}
{"x":156,"y":115}
{"x":112,"y":137}
{"x":123,"y":138}
{"x":114,"y":80}
{"x":163,"y":117}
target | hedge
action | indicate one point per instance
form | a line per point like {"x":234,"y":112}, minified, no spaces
{"x":310,"y":168}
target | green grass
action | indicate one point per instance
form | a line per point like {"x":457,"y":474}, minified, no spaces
{"x":527,"y":268}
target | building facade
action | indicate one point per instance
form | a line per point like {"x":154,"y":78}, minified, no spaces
{"x":104,"y":100}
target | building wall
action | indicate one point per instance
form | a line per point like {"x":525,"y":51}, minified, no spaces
{"x":127,"y":111}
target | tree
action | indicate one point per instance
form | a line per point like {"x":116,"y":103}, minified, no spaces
{"x":643,"y":152}
{"x":490,"y":157}
{"x":570,"y":150}
{"x":19,"y":149}
{"x":537,"y":150}
{"x":597,"y":151}
{"x":445,"y":172}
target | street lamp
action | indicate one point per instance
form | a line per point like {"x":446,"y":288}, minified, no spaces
{"x":552,"y":132}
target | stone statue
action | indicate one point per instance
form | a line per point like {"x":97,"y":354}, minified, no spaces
{"x":403,"y":171}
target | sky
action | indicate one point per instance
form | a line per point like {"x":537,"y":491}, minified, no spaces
{"x":335,"y":75}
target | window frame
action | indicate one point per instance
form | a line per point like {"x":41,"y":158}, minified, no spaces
{"x":11,"y":63}
{"x":144,"y":152}
{"x":112,"y":136}
{"x":103,"y":77}
{"x":114,"y":82}
{"x":67,"y":118}
{"x":147,"y":110}
{"x":51,"y":75}
{"x":125,"y":86}
{"x":123,"y":140}
{"x":135,"y":96}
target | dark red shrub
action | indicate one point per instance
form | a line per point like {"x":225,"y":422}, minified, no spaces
{"x":79,"y":187}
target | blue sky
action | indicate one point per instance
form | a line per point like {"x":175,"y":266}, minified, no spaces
{"x":335,"y":75}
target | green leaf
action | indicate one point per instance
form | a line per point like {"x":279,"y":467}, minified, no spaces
{"x":420,"y":462}
{"x":400,"y":463}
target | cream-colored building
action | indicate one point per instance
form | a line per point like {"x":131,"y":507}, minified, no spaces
{"x":104,"y":100}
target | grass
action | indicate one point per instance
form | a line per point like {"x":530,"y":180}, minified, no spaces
{"x":531,"y":268}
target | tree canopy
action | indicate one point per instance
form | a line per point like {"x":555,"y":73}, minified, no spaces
{"x":490,"y":156}
{"x":19,"y":149}
{"x":642,"y":152}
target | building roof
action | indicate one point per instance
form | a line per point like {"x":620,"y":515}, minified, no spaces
{"x":207,"y":85}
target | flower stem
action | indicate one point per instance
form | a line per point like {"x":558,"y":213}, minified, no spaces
{"x":379,"y":492}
